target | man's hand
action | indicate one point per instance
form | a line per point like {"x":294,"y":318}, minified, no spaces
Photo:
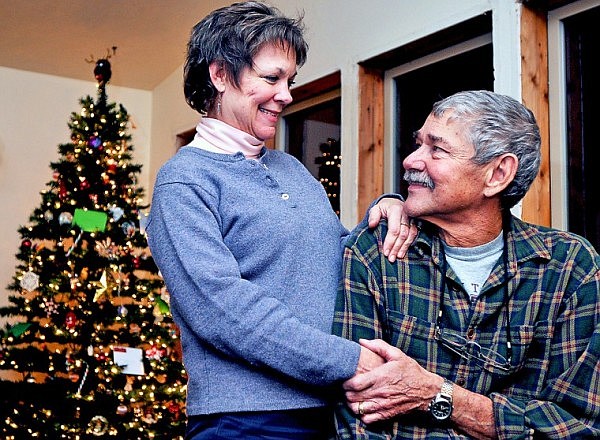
{"x":401,"y":230}
{"x":399,"y":386}
{"x":368,"y":361}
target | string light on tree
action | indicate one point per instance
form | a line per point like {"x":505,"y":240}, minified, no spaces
{"x":329,"y":171}
{"x":86,"y":291}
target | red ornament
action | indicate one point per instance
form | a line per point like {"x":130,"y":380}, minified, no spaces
{"x":62,"y":190}
{"x":26,"y":243}
{"x":111,"y":166}
{"x":70,"y":320}
{"x":136,"y":262}
{"x":84,"y":185}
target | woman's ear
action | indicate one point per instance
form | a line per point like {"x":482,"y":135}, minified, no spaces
{"x":500,"y":174}
{"x":218,"y":75}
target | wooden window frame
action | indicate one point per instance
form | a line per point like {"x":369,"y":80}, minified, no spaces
{"x":536,"y":204}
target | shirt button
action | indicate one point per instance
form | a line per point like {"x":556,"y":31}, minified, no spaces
{"x":471,"y":333}
{"x":285,"y":196}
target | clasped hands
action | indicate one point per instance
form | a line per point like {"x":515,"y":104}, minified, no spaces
{"x":389,"y":385}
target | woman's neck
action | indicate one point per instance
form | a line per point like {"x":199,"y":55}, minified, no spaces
{"x":219,"y":137}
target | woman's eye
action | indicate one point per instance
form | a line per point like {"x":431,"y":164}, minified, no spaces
{"x":291,"y":83}
{"x":271,"y":79}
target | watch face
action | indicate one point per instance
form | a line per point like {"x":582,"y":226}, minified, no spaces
{"x":441,"y":409}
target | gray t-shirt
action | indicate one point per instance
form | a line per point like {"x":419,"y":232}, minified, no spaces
{"x":473,"y":265}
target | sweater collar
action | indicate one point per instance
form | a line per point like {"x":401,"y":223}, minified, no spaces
{"x":219,"y":137}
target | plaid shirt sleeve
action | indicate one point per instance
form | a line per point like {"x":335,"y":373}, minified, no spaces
{"x":568,"y":403}
{"x":356,"y":317}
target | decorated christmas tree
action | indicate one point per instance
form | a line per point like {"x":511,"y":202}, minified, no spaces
{"x":89,"y":349}
{"x":329,"y":171}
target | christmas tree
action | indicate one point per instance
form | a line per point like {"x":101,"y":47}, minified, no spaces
{"x":89,"y":349}
{"x":329,"y":171}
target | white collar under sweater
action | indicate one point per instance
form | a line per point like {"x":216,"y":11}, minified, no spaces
{"x":218,"y":137}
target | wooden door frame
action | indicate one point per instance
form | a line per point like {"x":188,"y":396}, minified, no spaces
{"x":534,"y":48}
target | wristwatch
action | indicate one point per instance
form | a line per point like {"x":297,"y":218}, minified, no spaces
{"x":440,"y":407}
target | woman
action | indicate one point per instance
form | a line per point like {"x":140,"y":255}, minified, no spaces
{"x":248,"y":244}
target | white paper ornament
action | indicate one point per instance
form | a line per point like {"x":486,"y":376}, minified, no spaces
{"x":30,"y":281}
{"x":65,"y":218}
{"x":116,"y":212}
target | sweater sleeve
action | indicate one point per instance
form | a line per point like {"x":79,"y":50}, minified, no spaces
{"x":214,"y":304}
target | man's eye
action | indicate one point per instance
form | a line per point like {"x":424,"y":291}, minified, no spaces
{"x":291,"y":83}
{"x":271,"y":79}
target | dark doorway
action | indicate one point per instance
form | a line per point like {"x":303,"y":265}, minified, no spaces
{"x":583,"y":92}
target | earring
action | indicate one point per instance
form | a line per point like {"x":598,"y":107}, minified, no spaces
{"x":219,"y":105}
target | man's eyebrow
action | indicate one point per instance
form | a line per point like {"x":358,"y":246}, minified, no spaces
{"x":437,"y":139}
{"x":432,"y":138}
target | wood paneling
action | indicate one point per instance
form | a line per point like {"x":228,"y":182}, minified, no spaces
{"x":317,"y":87}
{"x":534,"y":89}
{"x":370,"y":137}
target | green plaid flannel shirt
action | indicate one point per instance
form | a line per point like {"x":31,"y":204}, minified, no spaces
{"x":553,"y":388}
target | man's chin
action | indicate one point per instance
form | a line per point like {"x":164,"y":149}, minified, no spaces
{"x":411,"y":209}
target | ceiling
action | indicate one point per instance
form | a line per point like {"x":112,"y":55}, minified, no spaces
{"x":59,"y":37}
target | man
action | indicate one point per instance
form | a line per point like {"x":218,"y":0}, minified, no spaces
{"x":491,"y":325}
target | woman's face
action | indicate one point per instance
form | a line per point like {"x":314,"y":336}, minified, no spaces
{"x":264,"y":92}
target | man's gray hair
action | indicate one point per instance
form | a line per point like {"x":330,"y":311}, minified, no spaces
{"x":497,"y":124}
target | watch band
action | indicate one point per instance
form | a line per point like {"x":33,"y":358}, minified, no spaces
{"x":441,"y":406}
{"x":447,"y":388}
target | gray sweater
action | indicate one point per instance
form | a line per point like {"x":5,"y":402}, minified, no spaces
{"x":251,"y":255}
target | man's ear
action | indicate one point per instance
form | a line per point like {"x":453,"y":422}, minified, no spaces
{"x":218,"y":75}
{"x":500,"y":174}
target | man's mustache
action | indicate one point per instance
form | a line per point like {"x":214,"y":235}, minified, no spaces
{"x":418,"y":178}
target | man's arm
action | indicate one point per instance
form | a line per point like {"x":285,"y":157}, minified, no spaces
{"x":401,"y":385}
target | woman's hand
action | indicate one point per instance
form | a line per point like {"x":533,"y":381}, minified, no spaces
{"x":401,"y":230}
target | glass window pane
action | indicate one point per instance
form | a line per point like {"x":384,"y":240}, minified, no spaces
{"x":313,"y":137}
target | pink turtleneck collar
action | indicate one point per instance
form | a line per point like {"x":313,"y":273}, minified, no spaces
{"x":219,"y":137}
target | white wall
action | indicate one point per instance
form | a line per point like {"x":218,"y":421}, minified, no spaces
{"x":34,"y":111}
{"x":172,"y":116}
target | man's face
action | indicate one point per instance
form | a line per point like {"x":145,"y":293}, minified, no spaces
{"x":444,"y":183}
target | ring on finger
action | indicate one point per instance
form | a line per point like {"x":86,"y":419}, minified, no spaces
{"x":360,"y":409}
